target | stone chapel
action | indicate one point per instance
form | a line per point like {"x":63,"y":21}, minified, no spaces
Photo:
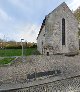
{"x":59,"y":32}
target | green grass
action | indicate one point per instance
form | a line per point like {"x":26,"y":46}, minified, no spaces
{"x":6,"y":61}
{"x":16,"y":52}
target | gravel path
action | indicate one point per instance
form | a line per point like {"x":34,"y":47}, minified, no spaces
{"x":17,"y":72}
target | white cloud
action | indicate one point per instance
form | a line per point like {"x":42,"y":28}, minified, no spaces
{"x":4,"y":16}
{"x":1,"y":36}
{"x":16,"y":31}
{"x":28,"y":33}
{"x":18,"y":3}
{"x":74,"y":4}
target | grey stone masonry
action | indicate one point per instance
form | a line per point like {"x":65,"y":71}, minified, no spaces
{"x":51,"y":38}
{"x":64,"y":85}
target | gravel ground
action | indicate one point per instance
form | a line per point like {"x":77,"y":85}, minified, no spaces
{"x":17,"y":72}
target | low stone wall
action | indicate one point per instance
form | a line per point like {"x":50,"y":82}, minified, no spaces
{"x":64,"y":85}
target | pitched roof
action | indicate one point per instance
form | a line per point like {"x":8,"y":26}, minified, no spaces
{"x":61,"y":5}
{"x":43,"y":24}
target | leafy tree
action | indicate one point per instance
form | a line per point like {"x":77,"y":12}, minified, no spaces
{"x":77,"y":14}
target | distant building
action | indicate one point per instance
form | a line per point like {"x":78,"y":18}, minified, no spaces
{"x":59,"y":32}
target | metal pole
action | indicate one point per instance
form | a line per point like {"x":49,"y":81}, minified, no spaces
{"x":25,"y":48}
{"x":22,"y":46}
{"x":4,"y":45}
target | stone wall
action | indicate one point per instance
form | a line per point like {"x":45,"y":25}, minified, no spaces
{"x":41,"y":39}
{"x":54,"y":30}
{"x":64,"y":85}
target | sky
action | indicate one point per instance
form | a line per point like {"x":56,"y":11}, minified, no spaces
{"x":21,"y":19}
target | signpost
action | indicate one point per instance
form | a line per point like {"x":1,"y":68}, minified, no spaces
{"x":22,"y":49}
{"x":22,"y":46}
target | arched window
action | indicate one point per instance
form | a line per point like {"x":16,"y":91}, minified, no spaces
{"x":42,"y":43}
{"x":42,"y":47}
{"x":63,"y":31}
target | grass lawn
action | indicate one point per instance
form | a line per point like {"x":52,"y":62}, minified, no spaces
{"x":6,"y":61}
{"x":16,"y":52}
